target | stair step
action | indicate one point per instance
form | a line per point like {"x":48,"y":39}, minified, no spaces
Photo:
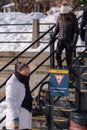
{"x":56,"y":119}
{"x":84,"y":82}
{"x":84,"y":74}
{"x":43,"y":129}
{"x":83,"y":66}
{"x":63,"y":109}
{"x":71,"y":90}
{"x":83,"y":90}
{"x":38,"y":128}
{"x":67,"y":99}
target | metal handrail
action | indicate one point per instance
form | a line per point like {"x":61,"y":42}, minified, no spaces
{"x":16,"y":57}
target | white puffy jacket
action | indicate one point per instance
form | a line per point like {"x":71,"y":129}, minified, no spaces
{"x":15,"y":93}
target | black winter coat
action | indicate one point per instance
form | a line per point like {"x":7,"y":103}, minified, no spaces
{"x":83,"y":24}
{"x":66,"y":30}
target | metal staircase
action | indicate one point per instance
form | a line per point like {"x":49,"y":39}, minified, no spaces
{"x":57,"y":111}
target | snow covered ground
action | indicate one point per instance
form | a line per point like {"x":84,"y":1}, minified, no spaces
{"x":21,"y":18}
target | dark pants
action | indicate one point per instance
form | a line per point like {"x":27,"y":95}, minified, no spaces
{"x":61,"y":45}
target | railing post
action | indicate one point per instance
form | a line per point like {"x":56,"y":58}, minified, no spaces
{"x":77,"y":96}
{"x":50,"y":112}
{"x":50,"y":115}
{"x":52,"y":57}
{"x":35,"y":32}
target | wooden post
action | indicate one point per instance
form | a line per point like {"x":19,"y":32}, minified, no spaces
{"x":35,"y":32}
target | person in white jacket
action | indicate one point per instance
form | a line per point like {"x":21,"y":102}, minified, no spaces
{"x":19,"y":99}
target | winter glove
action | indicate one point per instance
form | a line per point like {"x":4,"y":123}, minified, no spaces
{"x":16,"y":124}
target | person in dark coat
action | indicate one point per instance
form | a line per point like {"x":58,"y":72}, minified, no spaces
{"x":67,"y":30}
{"x":83,"y":31}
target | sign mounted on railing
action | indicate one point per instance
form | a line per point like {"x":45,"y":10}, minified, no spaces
{"x":59,"y":82}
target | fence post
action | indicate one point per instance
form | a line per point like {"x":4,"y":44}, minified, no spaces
{"x":35,"y":32}
{"x":78,"y":94}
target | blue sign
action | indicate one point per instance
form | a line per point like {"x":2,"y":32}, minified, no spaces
{"x":59,"y":82}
